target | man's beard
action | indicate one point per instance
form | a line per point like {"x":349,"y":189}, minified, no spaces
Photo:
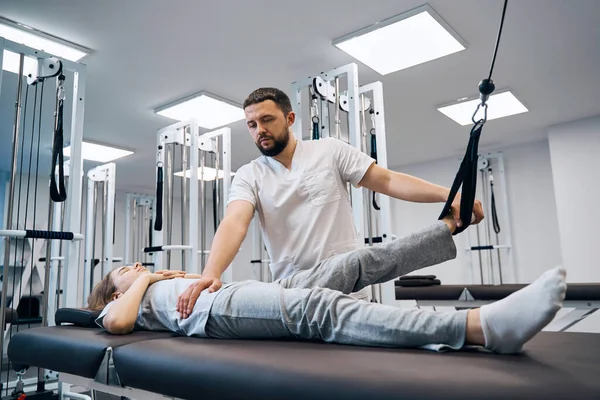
{"x":279,"y":144}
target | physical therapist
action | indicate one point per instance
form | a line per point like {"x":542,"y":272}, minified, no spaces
{"x":298,"y":189}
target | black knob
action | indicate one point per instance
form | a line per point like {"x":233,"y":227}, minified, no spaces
{"x":486,"y":87}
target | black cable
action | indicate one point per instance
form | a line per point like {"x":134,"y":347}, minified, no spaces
{"x":19,"y":203}
{"x":495,"y":222}
{"x":498,"y":39}
{"x":467,"y":173}
{"x":159,"y":199}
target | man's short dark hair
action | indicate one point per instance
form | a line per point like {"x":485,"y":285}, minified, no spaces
{"x":277,"y":96}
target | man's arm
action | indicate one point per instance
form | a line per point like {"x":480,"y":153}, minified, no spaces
{"x":402,"y":186}
{"x":229,"y":237}
{"x":225,"y":245}
{"x":409,"y":188}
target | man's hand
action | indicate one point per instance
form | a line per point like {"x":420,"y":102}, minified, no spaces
{"x":187,"y":300}
{"x":477,"y":211}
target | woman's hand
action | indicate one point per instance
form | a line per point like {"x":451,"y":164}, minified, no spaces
{"x":169,"y":272}
{"x":155,"y":277}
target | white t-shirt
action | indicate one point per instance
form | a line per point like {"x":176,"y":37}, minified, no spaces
{"x":158,"y":308}
{"x":305,"y":213}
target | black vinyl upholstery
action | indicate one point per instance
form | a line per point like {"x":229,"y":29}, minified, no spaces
{"x":69,"y":349}
{"x":555,"y":365}
{"x":575,"y":292}
{"x":76,"y":316}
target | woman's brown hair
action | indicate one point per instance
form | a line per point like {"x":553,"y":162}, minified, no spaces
{"x":102,"y":294}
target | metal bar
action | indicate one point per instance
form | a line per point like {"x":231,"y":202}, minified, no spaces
{"x":9,"y":218}
{"x":184,"y":200}
{"x":110,"y":214}
{"x":90,"y":234}
{"x":158,"y":257}
{"x":171,"y":247}
{"x":192,"y":265}
{"x":217,"y":194}
{"x":130,"y":214}
{"x":47,"y":271}
{"x":507,"y":224}
{"x":386,"y":291}
{"x":73,"y":208}
{"x":202,"y":211}
{"x":169,"y":197}
{"x":53,"y":264}
{"x":103,"y":241}
{"x":226,"y":154}
{"x":297,"y":109}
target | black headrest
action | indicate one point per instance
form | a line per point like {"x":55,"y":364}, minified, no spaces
{"x":77,"y":316}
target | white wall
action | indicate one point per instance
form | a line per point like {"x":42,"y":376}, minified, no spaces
{"x":575,"y":155}
{"x":574,"y":149}
{"x":532,"y":208}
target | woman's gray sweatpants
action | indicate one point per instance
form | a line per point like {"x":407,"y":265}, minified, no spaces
{"x":315,"y":303}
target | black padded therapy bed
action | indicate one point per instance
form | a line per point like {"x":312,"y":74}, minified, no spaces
{"x":150,"y":365}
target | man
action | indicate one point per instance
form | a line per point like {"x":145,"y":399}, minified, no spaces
{"x":298,"y":189}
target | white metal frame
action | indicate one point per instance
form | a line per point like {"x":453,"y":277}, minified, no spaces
{"x":73,"y":206}
{"x":74,"y":190}
{"x":103,"y":173}
{"x":124,"y":391}
{"x":375,"y":90}
{"x":496,"y":160}
{"x":134,"y":201}
{"x":179,"y":133}
{"x":187,"y":133}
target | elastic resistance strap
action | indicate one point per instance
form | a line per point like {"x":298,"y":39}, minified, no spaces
{"x":467,"y":177}
{"x":374,"y":156}
{"x":495,"y":222}
{"x":159,"y":199}
{"x":58,"y":192}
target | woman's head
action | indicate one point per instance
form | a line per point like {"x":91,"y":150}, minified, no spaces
{"x":113,"y":285}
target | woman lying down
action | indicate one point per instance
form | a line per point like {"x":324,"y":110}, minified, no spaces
{"x":314,"y":304}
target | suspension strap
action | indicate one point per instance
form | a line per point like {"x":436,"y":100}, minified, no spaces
{"x":374,"y":156}
{"x":159,"y":198}
{"x":58,"y":192}
{"x":467,"y":173}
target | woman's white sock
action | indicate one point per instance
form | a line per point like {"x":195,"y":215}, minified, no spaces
{"x":509,"y":323}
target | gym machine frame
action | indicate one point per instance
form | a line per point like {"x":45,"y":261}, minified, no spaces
{"x":107,"y":174}
{"x":72,"y":208}
{"x":187,"y":134}
{"x":138,"y":214}
{"x":491,"y":168}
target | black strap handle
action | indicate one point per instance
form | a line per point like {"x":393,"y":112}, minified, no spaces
{"x":58,"y":192}
{"x":153,"y":249}
{"x":374,"y":156}
{"x":159,"y":199}
{"x":467,"y":177}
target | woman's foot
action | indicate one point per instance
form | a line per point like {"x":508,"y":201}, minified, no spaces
{"x":506,"y":325}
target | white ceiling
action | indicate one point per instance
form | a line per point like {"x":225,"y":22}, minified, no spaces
{"x":151,"y":52}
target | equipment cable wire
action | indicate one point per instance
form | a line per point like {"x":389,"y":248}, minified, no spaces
{"x":467,"y":173}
